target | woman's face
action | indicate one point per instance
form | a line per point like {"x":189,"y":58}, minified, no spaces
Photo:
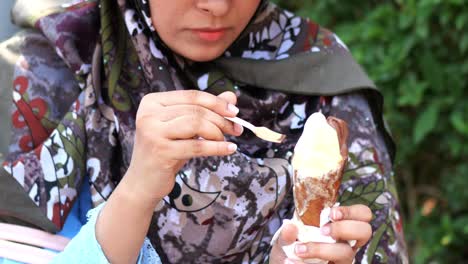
{"x":201,"y":30}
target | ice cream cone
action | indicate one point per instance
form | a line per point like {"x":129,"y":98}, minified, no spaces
{"x":312,"y":193}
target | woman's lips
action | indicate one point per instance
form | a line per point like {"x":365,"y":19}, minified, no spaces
{"x":210,"y":35}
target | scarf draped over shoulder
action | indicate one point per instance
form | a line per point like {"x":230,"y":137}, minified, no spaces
{"x":80,"y":73}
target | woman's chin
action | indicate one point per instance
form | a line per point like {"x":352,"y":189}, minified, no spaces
{"x":204,"y":54}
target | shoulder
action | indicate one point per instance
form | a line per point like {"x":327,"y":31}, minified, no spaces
{"x":277,"y":34}
{"x":34,"y":72}
{"x":30,"y":55}
{"x":318,"y":37}
{"x":10,"y":53}
{"x":307,"y":34}
{"x":304,"y":30}
{"x":26,"y":43}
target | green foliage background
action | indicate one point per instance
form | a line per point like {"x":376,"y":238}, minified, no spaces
{"x":417,"y":53}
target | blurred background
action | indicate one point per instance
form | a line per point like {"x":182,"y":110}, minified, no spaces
{"x":417,"y":53}
{"x":6,"y":28}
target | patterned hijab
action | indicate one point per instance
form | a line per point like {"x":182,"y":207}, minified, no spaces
{"x":101,"y":57}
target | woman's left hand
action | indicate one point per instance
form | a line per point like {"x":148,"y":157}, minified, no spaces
{"x":350,"y":223}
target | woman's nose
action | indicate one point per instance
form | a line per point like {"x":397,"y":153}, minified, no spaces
{"x":215,"y":7}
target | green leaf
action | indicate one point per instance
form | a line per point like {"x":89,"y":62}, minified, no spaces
{"x":425,"y":123}
{"x":412,"y":91}
{"x":431,"y":70}
{"x":464,"y":44}
{"x":459,"y":123}
{"x":461,"y":21}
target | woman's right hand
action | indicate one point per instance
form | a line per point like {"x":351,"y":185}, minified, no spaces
{"x":169,"y":126}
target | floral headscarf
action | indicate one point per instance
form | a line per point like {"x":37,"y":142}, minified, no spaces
{"x":74,"y":118}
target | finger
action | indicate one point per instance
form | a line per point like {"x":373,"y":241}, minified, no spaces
{"x":229,"y":97}
{"x":357,"y":212}
{"x":349,"y":230}
{"x":194,"y":97}
{"x":292,"y":261}
{"x":288,"y":234}
{"x":338,"y":253}
{"x":191,"y":126}
{"x":187,"y":149}
{"x":169,"y":113}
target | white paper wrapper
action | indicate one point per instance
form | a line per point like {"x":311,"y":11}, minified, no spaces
{"x":309,"y":234}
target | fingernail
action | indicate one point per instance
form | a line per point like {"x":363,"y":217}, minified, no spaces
{"x":300,"y":249}
{"x":233,"y":109}
{"x":238,"y":128}
{"x":326,"y":230}
{"x":337,"y":214}
{"x":232,"y":147}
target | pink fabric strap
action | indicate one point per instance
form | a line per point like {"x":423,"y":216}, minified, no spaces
{"x":34,"y":237}
{"x":25,"y":254}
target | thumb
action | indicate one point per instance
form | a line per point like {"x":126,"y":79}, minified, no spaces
{"x":229,"y":97}
{"x":288,"y":234}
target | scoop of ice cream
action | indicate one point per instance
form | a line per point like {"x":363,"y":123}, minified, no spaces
{"x":317,"y":151}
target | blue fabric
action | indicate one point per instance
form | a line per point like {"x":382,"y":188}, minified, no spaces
{"x":84,"y":247}
{"x":77,"y":217}
{"x":7,"y":261}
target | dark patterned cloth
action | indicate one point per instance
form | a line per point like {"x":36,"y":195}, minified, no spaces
{"x":78,"y":81}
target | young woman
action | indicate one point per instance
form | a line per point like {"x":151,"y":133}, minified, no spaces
{"x":133,"y":94}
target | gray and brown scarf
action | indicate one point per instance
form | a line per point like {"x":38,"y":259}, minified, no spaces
{"x":77,"y":91}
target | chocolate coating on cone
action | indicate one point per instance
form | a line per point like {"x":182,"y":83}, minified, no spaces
{"x":313,"y":194}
